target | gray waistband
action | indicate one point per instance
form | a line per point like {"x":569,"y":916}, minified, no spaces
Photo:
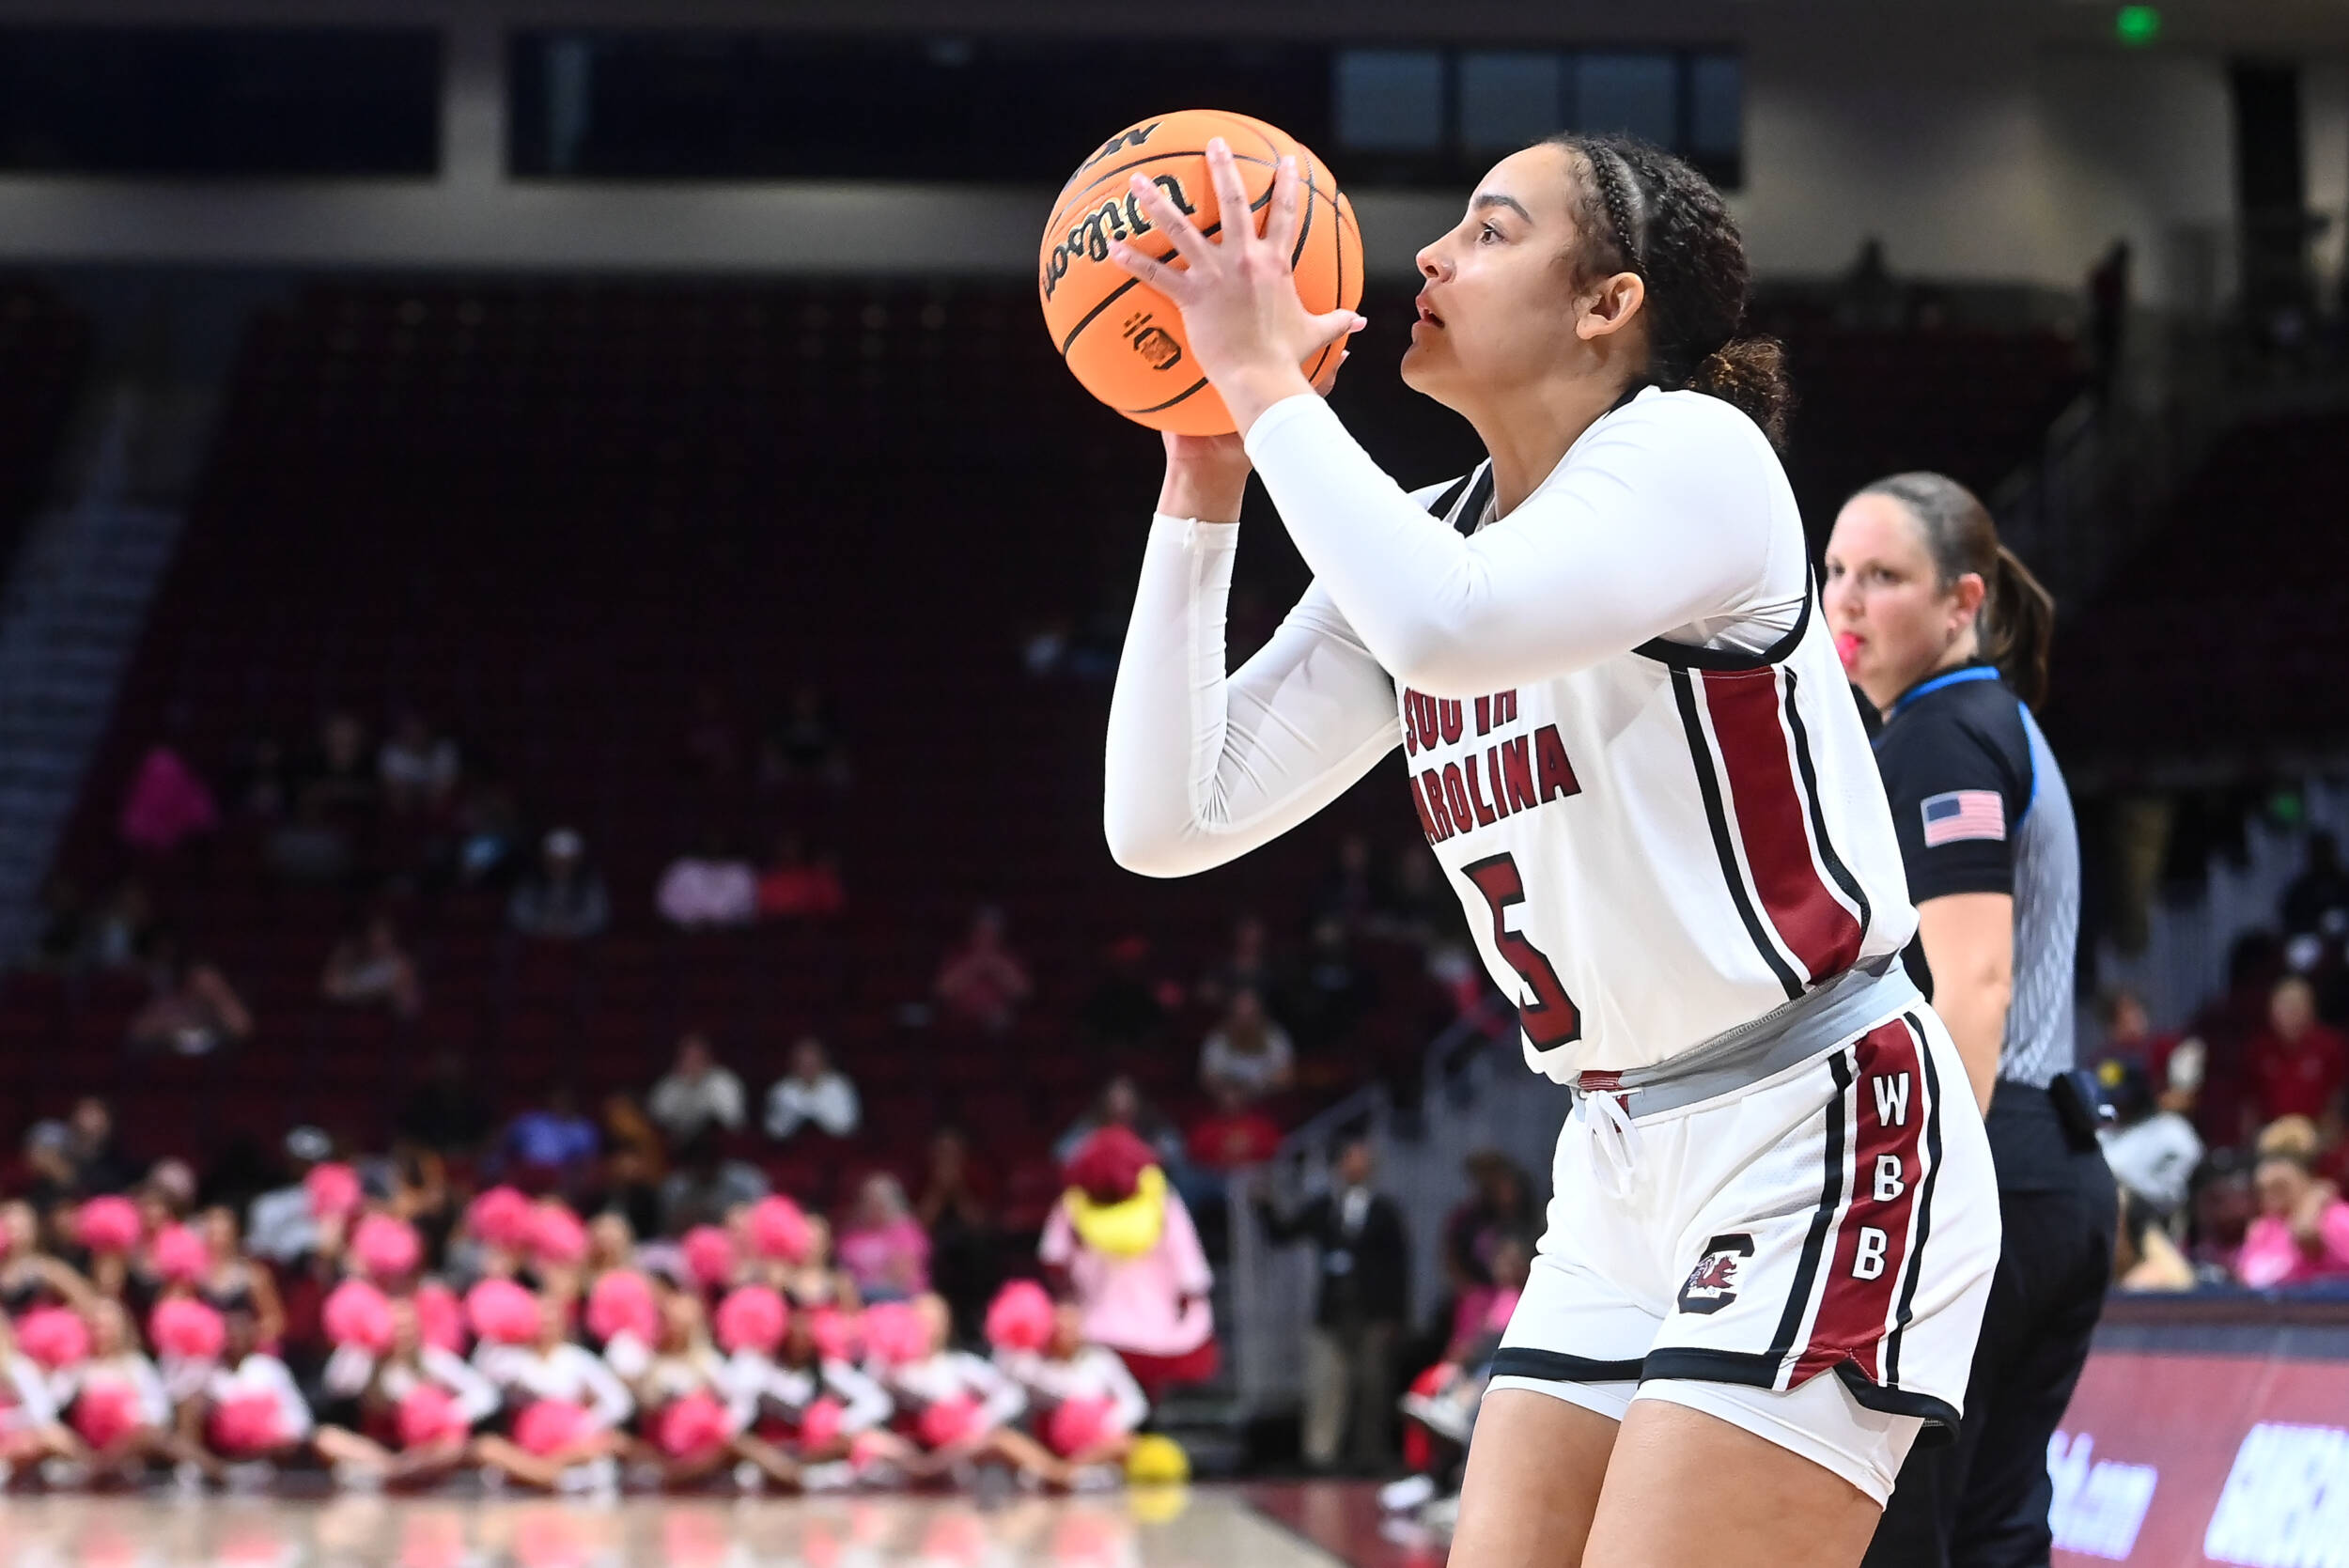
{"x":1784,"y":1037}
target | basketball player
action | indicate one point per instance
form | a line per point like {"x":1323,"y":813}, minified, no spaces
{"x":1633,"y":749}
{"x":1947,"y":634}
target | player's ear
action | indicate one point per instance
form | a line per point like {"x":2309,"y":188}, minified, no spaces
{"x":1613,"y":306}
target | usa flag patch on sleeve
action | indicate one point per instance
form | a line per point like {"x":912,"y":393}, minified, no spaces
{"x":1964,"y":814}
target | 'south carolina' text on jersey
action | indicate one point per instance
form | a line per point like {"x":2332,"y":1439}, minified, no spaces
{"x":1462,"y":781}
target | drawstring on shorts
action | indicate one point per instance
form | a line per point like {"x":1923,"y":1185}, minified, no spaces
{"x":1614,"y":1142}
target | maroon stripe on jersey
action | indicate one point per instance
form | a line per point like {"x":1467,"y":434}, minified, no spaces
{"x":1891,"y":1109}
{"x":1818,"y":930}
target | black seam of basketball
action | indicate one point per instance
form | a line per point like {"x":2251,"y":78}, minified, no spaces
{"x":1155,"y":408}
{"x":1111,"y":173}
{"x":1208,"y":233}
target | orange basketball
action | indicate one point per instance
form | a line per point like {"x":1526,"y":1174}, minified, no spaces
{"x":1124,"y":339}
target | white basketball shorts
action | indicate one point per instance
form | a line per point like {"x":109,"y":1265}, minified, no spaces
{"x":1836,"y":1215}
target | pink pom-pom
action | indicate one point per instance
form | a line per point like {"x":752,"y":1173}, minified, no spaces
{"x":500,"y":1218}
{"x":180,"y":1255}
{"x":820,"y":1424}
{"x":780,"y":1231}
{"x":1076,"y":1425}
{"x":109,"y":1225}
{"x":333,"y":1191}
{"x":895,"y":1333}
{"x":836,"y":1334}
{"x":357,"y":1313}
{"x":439,"y":1317}
{"x":386,"y":1246}
{"x":622,"y":1302}
{"x":949,"y":1420}
{"x":557,"y":1235}
{"x":502,"y":1311}
{"x":752,"y":1318}
{"x":1020,"y":1317}
{"x":247,"y":1424}
{"x":107,"y":1412}
{"x":550,"y":1427}
{"x":54,"y":1337}
{"x":429,"y":1415}
{"x":709,"y":1256}
{"x":693,"y":1424}
{"x":187,"y":1331}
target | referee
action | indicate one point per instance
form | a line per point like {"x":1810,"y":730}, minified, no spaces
{"x":1946,"y":632}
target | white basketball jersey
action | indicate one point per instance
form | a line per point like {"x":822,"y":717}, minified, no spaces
{"x":1663,"y":846}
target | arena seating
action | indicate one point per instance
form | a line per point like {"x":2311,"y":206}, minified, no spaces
{"x":44,"y":345}
{"x":560,"y":516}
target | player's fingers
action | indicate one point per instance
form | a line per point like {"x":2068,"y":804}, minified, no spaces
{"x":1279,"y":230}
{"x":1332,"y":325}
{"x":1329,"y":372}
{"x":1231,"y":193}
{"x":1172,"y":281}
{"x":1173,"y":222}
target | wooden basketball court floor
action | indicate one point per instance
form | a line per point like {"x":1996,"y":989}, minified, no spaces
{"x":1207,"y":1527}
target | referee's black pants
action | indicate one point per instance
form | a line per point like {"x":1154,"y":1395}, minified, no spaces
{"x":1982,"y":1501}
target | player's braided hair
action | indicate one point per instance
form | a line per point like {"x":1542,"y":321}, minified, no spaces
{"x":1641,"y":210}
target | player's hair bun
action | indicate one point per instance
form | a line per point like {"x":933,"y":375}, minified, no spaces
{"x":1750,"y":374}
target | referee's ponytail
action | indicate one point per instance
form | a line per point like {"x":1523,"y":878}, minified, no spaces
{"x":1641,"y":210}
{"x":2015,"y":625}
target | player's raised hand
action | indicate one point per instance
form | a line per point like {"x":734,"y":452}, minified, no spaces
{"x":1246,"y":327}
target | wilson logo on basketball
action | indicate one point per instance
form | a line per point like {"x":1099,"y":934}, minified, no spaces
{"x":1118,"y":144}
{"x":1117,"y":219}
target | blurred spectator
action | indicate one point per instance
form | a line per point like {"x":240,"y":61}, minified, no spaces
{"x":489,"y":844}
{"x":806,"y":743}
{"x":337,"y":777}
{"x":167,"y":803}
{"x":813,"y":1094}
{"x":564,"y":898}
{"x":984,"y":982}
{"x":1126,"y":1008}
{"x":705,"y":1186}
{"x":2296,"y":1065}
{"x":193,"y":1009}
{"x":446,"y":1114}
{"x":961,"y":1227}
{"x":1869,"y":298}
{"x":1415,"y":906}
{"x":47,"y":1154}
{"x":280,"y":1224}
{"x":97,"y":1164}
{"x":2153,"y":1150}
{"x":310,"y":848}
{"x":712,"y":752}
{"x":2302,"y":1231}
{"x":1234,"y":1136}
{"x":1247,"y":967}
{"x":554,"y":1141}
{"x":708,"y":888}
{"x":1359,"y":1313}
{"x":2317,"y":900}
{"x":2130,"y":1034}
{"x":418,"y":768}
{"x":120,"y":932}
{"x":1121,"y":1105}
{"x":1124,"y":1241}
{"x":1332,"y":990}
{"x":2143,"y":1256}
{"x":1248,"y":1057}
{"x":369,"y":968}
{"x":1501,"y":1206}
{"x":883,"y":1247}
{"x":796,"y":887}
{"x":695,"y":1094}
{"x":1348,"y":890}
{"x":635,"y":1163}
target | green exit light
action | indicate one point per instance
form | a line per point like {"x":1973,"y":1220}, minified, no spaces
{"x":2137,"y":25}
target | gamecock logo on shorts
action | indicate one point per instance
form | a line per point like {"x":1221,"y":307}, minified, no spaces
{"x":1713,"y":1283}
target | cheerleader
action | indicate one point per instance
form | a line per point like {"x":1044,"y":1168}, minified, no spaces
{"x":796,"y":1393}
{"x":29,"y":1277}
{"x":958,"y":1407}
{"x":418,"y":1404}
{"x":115,"y":1400}
{"x":1086,"y":1406}
{"x":30,"y":1432}
{"x":693,"y":1420}
{"x":247,"y":1415}
{"x":568,"y":1409}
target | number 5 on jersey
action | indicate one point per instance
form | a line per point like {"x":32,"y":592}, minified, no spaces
{"x":1548,"y":1014}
